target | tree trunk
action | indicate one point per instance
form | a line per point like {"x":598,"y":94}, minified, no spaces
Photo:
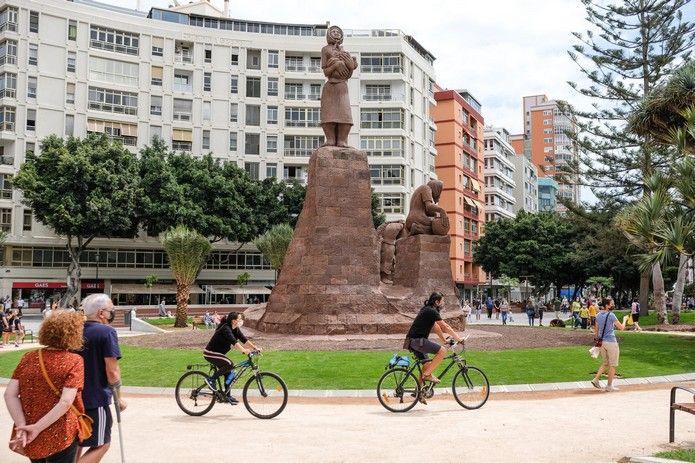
{"x":73,"y":280}
{"x":678,"y":290}
{"x":182,"y":293}
{"x":659,"y":295}
{"x":644,"y":293}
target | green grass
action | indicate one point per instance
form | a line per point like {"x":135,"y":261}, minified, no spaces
{"x":641,"y":355}
{"x":680,"y":454}
{"x":687,"y":318}
{"x":166,"y":321}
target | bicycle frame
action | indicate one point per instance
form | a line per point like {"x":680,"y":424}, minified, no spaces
{"x":455,"y":358}
{"x":240,"y":369}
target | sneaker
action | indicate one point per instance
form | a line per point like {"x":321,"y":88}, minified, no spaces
{"x":422,"y":399}
{"x":211,"y":383}
{"x":595,"y":383}
{"x":232,"y":400}
{"x":611,"y":389}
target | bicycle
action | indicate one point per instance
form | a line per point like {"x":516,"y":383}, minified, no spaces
{"x":399,"y":390}
{"x":264,"y":394}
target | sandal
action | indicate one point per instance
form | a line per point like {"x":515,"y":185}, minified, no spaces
{"x":431,"y":378}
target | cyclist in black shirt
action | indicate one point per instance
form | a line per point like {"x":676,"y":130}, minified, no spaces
{"x":226,"y":335}
{"x":427,"y":320}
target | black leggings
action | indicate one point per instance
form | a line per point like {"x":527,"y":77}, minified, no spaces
{"x":64,"y":456}
{"x":222,"y":362}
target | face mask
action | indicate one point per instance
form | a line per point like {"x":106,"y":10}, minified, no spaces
{"x":112,"y":315}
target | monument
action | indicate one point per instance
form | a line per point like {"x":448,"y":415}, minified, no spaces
{"x":332,"y":279}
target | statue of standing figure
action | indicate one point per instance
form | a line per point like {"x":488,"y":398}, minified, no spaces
{"x":337,"y":65}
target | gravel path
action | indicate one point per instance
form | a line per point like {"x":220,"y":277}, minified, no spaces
{"x":482,"y":338}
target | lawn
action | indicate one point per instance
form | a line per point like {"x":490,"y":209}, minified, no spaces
{"x":682,"y":455}
{"x":641,"y":355}
{"x":687,"y":318}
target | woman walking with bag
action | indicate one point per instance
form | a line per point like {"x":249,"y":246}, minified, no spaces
{"x":604,"y":331}
{"x":44,"y":395}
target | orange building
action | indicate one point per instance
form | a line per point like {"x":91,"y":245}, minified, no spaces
{"x":460,"y":153}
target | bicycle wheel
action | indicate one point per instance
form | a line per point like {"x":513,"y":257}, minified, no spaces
{"x":470,"y":387}
{"x":265,"y":395}
{"x":398,"y":390}
{"x":193,"y":395}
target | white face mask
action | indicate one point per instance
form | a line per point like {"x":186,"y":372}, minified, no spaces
{"x":240,"y":323}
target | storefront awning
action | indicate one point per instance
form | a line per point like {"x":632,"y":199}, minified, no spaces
{"x":160,"y":288}
{"x":238,"y":290}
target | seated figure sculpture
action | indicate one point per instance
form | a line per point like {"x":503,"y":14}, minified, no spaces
{"x":425,"y":218}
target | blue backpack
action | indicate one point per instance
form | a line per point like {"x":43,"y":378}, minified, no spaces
{"x":398,"y":361}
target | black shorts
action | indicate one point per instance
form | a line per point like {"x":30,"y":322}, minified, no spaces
{"x":101,"y":427}
{"x":423,"y":346}
{"x":635,"y":317}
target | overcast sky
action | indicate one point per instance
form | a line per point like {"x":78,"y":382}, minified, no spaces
{"x":500,"y":50}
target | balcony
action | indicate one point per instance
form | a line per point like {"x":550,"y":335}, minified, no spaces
{"x":381,"y":125}
{"x":294,"y":96}
{"x":8,"y":59}
{"x":6,"y":160}
{"x":110,"y":46}
{"x":314,"y":96}
{"x":382,"y":69}
{"x":8,"y":93}
{"x":377,"y":97}
{"x":111,"y":108}
{"x":184,"y":57}
{"x":298,"y":152}
{"x":300,"y":123}
{"x":183,"y":88}
{"x":295,"y":67}
{"x":181,"y":116}
{"x":8,"y":26}
{"x":7,"y":126}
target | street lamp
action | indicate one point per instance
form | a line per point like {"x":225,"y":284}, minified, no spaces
{"x":97,"y":257}
{"x":526,"y":277}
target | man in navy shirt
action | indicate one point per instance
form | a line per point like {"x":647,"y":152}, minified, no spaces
{"x":101,"y":373}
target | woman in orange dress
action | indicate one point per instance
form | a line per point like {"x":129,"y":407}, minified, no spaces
{"x":43,"y":422}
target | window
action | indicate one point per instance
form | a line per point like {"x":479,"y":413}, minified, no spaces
{"x":33,"y":54}
{"x":386,"y":118}
{"x":156,"y":105}
{"x":302,"y":117}
{"x":301,"y":145}
{"x":206,"y":139}
{"x":253,"y":115}
{"x":382,"y":146}
{"x":8,"y":19}
{"x":272,"y":115}
{"x":72,"y":30}
{"x":27,"y":219}
{"x":7,"y":118}
{"x":315,"y":91}
{"x":72,"y":60}
{"x":273,"y":60}
{"x":31,"y":120}
{"x":69,"y":125}
{"x":207,"y":110}
{"x":126,"y":134}
{"x":381,"y":62}
{"x":253,"y":87}
{"x":234,"y":86}
{"x":235,"y":57}
{"x":315,"y":64}
{"x":181,"y":140}
{"x":232,"y":141}
{"x":155,"y":131}
{"x":8,"y":85}
{"x":271,"y":170}
{"x":182,"y":82}
{"x":251,"y":169}
{"x":157,"y":75}
{"x":34,"y":21}
{"x":6,"y":219}
{"x":233,"y":112}
{"x":272,"y":86}
{"x":547,"y":121}
{"x":8,"y":52}
{"x":294,"y":91}
{"x":207,"y":81}
{"x":113,"y":101}
{"x":70,"y":93}
{"x":294,"y":63}
{"x":5,"y":186}
{"x":253,"y":59}
{"x":182,"y":109}
{"x":32,"y":85}
{"x":112,"y":71}
{"x":253,"y":142}
{"x":114,"y":40}
{"x":377,"y":92}
{"x":386,"y":174}
{"x":391,"y":203}
{"x":271,"y":144}
{"x":30,"y":147}
{"x":208,"y":53}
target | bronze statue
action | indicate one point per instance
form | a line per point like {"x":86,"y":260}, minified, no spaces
{"x":337,"y":65}
{"x":425,"y":216}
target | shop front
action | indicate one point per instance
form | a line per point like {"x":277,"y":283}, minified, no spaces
{"x":39,"y":294}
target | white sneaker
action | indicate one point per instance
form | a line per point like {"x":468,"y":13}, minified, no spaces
{"x":611,"y":389}
{"x":595,"y":383}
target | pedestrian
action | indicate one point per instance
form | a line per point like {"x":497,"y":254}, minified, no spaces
{"x":45,"y":424}
{"x":584,"y":317}
{"x":606,"y":323}
{"x":162,"y":308}
{"x":593,"y":311}
{"x":20,"y":304}
{"x":467,"y":310}
{"x":7,"y":303}
{"x":498,"y":303}
{"x":17,"y":327}
{"x":504,"y":308}
{"x":634,"y":312}
{"x":530,"y":312}
{"x":102,"y":375}
{"x":557,"y":304}
{"x":489,"y":305}
{"x":565,"y":305}
{"x":541,"y":309}
{"x":478,"y":306}
{"x":4,"y":328}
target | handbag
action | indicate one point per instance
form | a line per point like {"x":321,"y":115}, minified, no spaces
{"x":598,"y":342}
{"x":84,"y":422}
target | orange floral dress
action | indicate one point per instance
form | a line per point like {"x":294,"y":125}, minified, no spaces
{"x":65,"y":370}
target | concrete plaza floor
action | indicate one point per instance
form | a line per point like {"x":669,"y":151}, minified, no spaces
{"x":571,"y":426}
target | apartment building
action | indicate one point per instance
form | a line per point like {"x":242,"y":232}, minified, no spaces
{"x":547,"y":145}
{"x":499,"y":175}
{"x":246,"y":91}
{"x":547,"y":194}
{"x":460,"y":152}
{"x":526,"y":185}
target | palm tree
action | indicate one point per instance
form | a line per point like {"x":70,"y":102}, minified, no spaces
{"x":150,"y":281}
{"x":188,"y":251}
{"x":273,"y":244}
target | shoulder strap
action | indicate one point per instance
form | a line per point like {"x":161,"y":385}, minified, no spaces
{"x":50,"y":383}
{"x":605,"y":324}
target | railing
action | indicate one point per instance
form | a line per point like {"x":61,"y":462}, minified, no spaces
{"x":301,"y":180}
{"x":131,"y":110}
{"x":156,"y":110}
{"x":386,"y":153}
{"x":183,"y":88}
{"x":108,"y":46}
{"x":290,"y":123}
{"x":181,"y":145}
{"x":7,"y":126}
{"x":381,"y":125}
{"x":156,"y":81}
{"x":8,"y":59}
{"x":298,"y":152}
{"x":7,"y":160}
{"x":295,"y":67}
{"x":314,"y":69}
{"x":377,"y":97}
{"x":182,"y":116}
{"x":314,"y":96}
{"x":127,"y":141}
{"x":8,"y":93}
{"x":8,"y":26}
{"x":294,"y":96}
{"x":381,"y":69}
{"x":183,"y":57}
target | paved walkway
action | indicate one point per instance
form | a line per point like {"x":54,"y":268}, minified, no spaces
{"x":584,"y":426}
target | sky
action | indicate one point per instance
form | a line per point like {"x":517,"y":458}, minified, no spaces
{"x":499,"y":50}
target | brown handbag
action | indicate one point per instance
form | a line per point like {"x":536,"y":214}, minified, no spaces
{"x":84,"y":422}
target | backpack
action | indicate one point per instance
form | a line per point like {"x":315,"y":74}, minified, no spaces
{"x":398,"y":361}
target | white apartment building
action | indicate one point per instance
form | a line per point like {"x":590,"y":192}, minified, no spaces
{"x":499,"y":175}
{"x":246,"y":91}
{"x":526,"y":188}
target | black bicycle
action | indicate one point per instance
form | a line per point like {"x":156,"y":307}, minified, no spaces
{"x":264,"y":394}
{"x":399,"y":389}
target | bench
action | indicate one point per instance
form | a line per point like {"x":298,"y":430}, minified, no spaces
{"x":688,"y":407}
{"x":197,"y":322}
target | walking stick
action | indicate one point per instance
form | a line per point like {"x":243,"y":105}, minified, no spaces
{"x":117,"y":405}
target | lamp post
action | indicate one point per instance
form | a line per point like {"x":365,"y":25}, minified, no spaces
{"x":97,"y":257}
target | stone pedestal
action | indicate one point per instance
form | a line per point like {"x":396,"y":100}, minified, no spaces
{"x":329,"y":283}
